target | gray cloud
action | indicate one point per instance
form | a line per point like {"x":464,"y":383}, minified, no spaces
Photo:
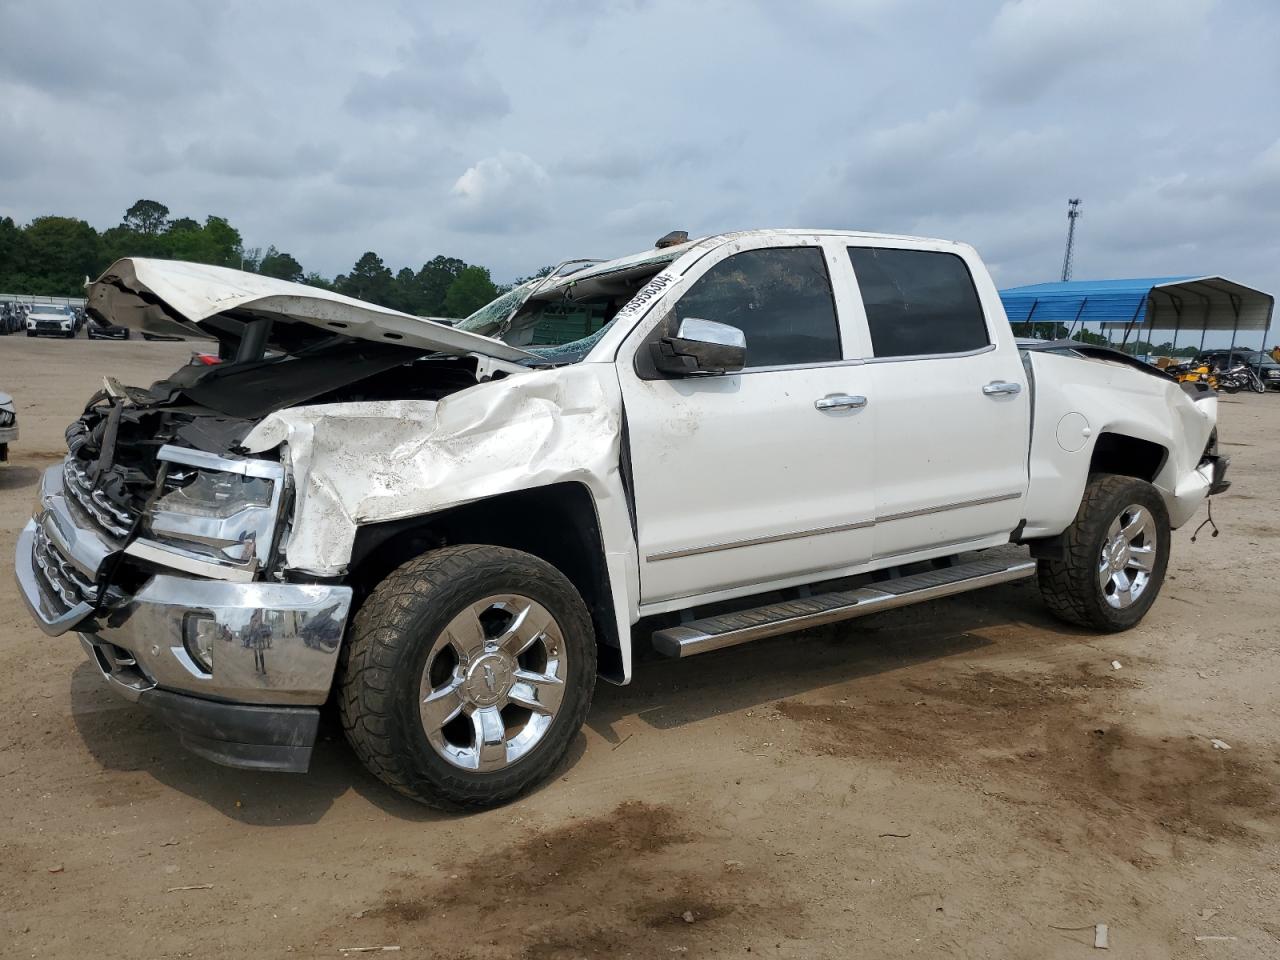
{"x":435,"y":74}
{"x":501,"y":194}
{"x":1034,"y":44}
{"x":514,"y":136}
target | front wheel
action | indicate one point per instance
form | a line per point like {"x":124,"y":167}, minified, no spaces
{"x":1114,"y":556}
{"x":467,"y":674}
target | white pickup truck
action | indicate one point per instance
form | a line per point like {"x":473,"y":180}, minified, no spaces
{"x":452,"y":529}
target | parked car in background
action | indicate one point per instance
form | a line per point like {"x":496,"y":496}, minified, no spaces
{"x":102,"y":330}
{"x":1267,"y":369}
{"x":10,"y":320}
{"x":8,"y":425}
{"x":51,"y":320}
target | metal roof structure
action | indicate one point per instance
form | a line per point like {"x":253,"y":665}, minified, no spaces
{"x":1158,"y":303}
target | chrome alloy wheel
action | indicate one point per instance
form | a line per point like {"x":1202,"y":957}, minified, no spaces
{"x":1128,"y":556}
{"x":493,"y":682}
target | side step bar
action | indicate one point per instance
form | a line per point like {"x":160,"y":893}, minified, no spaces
{"x":730,"y":629}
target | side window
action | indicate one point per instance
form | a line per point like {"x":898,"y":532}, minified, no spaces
{"x":918,"y":302}
{"x":779,"y":297}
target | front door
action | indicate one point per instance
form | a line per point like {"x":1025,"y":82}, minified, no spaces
{"x":748,"y":478}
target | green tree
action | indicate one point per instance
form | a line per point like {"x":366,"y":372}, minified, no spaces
{"x":433,"y":282}
{"x":280,"y":265}
{"x":147,"y":217}
{"x":368,"y":280}
{"x":405,"y":294}
{"x":12,"y":239}
{"x":469,"y":292}
{"x":58,"y":253}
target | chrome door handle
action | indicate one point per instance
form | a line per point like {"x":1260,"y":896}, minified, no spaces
{"x":839,"y":401}
{"x":998,"y":388}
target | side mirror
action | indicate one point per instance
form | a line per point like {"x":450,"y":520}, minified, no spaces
{"x":701,"y":348}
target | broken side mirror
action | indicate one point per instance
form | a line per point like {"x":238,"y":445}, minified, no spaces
{"x":701,"y":348}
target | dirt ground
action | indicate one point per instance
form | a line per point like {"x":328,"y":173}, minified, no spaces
{"x":969,"y":779}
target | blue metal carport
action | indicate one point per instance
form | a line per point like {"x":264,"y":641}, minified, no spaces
{"x":1158,"y":303}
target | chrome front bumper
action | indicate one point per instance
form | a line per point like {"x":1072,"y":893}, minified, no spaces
{"x":275,"y":643}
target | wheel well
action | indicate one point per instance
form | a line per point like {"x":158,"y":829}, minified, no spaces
{"x":1127,"y":456}
{"x":556,"y":523}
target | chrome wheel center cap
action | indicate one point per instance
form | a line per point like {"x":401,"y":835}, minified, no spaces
{"x":488,"y":679}
{"x":1117,"y":553}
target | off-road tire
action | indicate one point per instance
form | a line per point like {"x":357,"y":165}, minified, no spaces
{"x":1070,"y":585}
{"x":381,"y":664}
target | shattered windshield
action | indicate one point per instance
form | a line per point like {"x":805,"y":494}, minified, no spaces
{"x":561,"y":322}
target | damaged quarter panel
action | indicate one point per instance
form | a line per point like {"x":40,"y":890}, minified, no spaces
{"x":1079,"y":399}
{"x":361,"y":463}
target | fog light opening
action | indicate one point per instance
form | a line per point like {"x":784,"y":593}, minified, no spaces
{"x":198,"y":632}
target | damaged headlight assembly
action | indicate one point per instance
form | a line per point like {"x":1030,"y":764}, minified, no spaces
{"x":213,"y":516}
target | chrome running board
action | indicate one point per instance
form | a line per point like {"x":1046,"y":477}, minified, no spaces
{"x":730,"y":629}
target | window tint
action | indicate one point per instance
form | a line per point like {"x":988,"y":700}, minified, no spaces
{"x":780,"y":298}
{"x":918,"y":302}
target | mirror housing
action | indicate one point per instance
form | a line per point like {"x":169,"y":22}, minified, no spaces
{"x":701,"y":348}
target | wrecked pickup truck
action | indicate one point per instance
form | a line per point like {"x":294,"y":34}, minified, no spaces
{"x":451,"y":531}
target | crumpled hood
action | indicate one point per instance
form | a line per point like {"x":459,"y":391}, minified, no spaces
{"x":174,"y":297}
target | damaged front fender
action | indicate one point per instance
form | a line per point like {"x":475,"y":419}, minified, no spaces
{"x":368,"y":462}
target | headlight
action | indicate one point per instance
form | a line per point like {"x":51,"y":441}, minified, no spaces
{"x":7,"y":417}
{"x":217,"y":509}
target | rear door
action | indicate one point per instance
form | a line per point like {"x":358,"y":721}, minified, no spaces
{"x":949,"y":399}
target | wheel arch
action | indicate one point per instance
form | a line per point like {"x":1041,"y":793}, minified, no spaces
{"x":1127,"y":455}
{"x":558,"y":523}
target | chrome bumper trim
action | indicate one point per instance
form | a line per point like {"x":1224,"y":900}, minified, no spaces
{"x":275,"y":643}
{"x":49,"y":619}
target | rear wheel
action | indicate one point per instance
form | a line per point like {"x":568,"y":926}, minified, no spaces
{"x":467,"y":674}
{"x":1114,"y":556}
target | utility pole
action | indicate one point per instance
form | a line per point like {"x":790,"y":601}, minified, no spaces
{"x":1073,"y":214}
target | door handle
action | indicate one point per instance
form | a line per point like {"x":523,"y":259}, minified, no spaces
{"x":998,"y":388}
{"x":839,"y":401}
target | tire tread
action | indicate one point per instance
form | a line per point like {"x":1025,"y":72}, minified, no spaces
{"x":382,"y":631}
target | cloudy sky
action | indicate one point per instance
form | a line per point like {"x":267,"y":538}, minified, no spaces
{"x":515,"y":137}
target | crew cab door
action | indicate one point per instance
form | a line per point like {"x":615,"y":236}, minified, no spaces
{"x":949,"y":397}
{"x":760,"y":476}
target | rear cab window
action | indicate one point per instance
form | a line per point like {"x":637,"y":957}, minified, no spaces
{"x":919,"y":303}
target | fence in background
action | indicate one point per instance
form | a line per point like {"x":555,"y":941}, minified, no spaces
{"x":28,"y":298}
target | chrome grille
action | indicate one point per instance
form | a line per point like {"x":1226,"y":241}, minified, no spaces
{"x":59,"y":576}
{"x":111,"y":518}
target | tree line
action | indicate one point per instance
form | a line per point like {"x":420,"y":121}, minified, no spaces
{"x":51,"y":256}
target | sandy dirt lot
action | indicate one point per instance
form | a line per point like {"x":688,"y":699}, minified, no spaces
{"x":967,"y":779}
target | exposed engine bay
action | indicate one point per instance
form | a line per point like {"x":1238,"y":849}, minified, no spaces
{"x":115,"y":442}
